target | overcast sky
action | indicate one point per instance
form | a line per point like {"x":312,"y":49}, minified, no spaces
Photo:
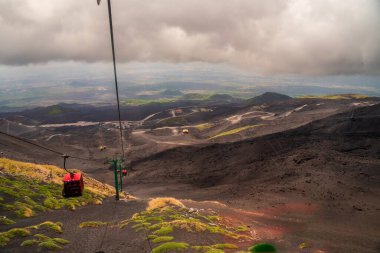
{"x":318,"y":37}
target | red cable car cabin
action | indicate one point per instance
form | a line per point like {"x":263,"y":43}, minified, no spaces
{"x":73,"y":185}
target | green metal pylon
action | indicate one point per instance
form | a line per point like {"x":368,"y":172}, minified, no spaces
{"x":118,"y":166}
{"x":115,"y":168}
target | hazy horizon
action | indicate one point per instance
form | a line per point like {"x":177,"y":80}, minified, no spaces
{"x":53,"y":47}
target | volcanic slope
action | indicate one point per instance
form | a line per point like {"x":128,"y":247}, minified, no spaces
{"x":36,"y":218}
{"x":330,"y":166}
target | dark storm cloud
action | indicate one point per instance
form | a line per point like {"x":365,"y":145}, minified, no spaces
{"x":299,"y":36}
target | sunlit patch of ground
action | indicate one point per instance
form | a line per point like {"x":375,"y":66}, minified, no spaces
{"x":276,"y":225}
{"x":235,"y":130}
{"x":50,"y":174}
{"x":165,"y":218}
{"x":28,"y":189}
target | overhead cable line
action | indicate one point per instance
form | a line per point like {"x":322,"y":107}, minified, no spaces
{"x":43,"y":147}
{"x":115,"y":75}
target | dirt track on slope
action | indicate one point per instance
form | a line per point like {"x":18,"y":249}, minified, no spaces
{"x":317,"y":184}
{"x":330,"y":166}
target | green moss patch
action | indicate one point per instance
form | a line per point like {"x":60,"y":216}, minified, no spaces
{"x":3,"y":240}
{"x":164,"y":230}
{"x":6,"y":237}
{"x":55,"y":226}
{"x":170,"y":246}
{"x":207,"y":249}
{"x":92,"y":224}
{"x":216,"y":248}
{"x":17,"y":232}
{"x":242,"y":228}
{"x":162,"y":239}
{"x":6,"y":221}
{"x":28,"y":243}
{"x":224,"y":246}
{"x":161,"y":220}
{"x":27,"y":197}
{"x":49,"y":245}
{"x":44,"y":242}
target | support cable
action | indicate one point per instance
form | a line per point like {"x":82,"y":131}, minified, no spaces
{"x":43,"y":147}
{"x":115,"y":75}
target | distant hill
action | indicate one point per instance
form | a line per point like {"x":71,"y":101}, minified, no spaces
{"x":267,"y":98}
{"x":334,"y":155}
{"x":337,"y":96}
{"x":222,"y":97}
{"x":194,"y":96}
{"x":171,"y":93}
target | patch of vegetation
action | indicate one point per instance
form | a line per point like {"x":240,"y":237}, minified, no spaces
{"x":137,"y":102}
{"x":207,"y":249}
{"x":234,"y":131}
{"x":304,"y":245}
{"x":158,"y":203}
{"x":42,"y":237}
{"x":224,"y":246}
{"x":204,"y":126}
{"x":124,"y":223}
{"x":174,"y":121}
{"x":50,"y":174}
{"x":28,"y":243}
{"x":43,"y":242}
{"x":5,"y":237}
{"x":164,"y":230}
{"x":28,"y":197}
{"x":165,"y":215}
{"x":17,"y":232}
{"x":263,"y":248}
{"x":216,"y":248}
{"x":97,"y":202}
{"x":55,"y":110}
{"x":151,"y":237}
{"x":337,"y":96}
{"x":55,"y":226}
{"x":92,"y":224}
{"x":49,"y":245}
{"x":30,"y":189}
{"x":242,"y":228}
{"x":213,"y":218}
{"x":5,"y":221}
{"x":195,"y":96}
{"x":60,"y":240}
{"x":3,"y":240}
{"x":162,"y":239}
{"x":170,"y":246}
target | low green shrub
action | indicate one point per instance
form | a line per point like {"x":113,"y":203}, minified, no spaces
{"x":170,"y":246}
{"x":162,"y":239}
{"x":92,"y":224}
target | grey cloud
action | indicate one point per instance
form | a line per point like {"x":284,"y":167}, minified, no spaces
{"x":275,"y":36}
